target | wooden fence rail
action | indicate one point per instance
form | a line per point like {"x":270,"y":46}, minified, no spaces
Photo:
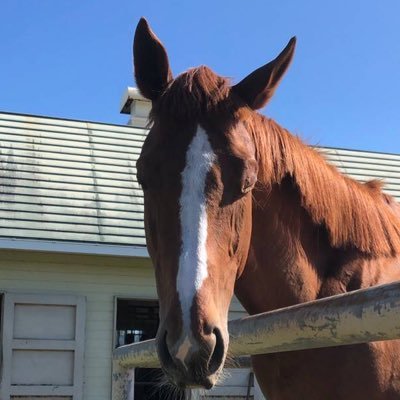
{"x":361,"y":316}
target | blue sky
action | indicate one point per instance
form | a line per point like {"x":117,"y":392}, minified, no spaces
{"x":72,"y":59}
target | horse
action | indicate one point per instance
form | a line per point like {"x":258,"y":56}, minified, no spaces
{"x":236,"y":204}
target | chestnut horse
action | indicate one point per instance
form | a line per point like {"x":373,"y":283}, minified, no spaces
{"x":236,"y":204}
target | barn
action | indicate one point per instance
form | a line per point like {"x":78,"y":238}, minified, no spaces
{"x":75,"y":278}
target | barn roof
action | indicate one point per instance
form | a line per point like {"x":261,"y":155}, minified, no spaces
{"x":70,"y":182}
{"x":71,"y":186}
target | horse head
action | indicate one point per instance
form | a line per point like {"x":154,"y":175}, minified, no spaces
{"x":197,"y":168}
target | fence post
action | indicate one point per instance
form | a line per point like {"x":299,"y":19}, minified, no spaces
{"x":123,"y":382}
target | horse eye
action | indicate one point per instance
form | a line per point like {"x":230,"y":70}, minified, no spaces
{"x":247,"y":185}
{"x":249,"y":177}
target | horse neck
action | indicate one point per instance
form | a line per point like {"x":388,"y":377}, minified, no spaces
{"x":289,"y":255}
{"x":309,"y":223}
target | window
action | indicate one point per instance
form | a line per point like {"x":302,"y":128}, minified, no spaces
{"x":137,"y":320}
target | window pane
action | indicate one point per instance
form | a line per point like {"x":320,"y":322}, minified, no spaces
{"x":137,"y":320}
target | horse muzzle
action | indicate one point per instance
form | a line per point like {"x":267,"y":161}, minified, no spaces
{"x":193,"y":361}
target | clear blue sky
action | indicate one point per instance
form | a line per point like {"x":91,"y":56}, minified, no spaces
{"x":72,"y":59}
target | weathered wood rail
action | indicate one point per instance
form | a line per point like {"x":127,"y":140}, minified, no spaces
{"x":361,"y":316}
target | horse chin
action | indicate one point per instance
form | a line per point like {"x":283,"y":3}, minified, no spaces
{"x":199,"y":382}
{"x":206,"y":383}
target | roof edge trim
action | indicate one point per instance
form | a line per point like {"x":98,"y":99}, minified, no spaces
{"x":74,"y":247}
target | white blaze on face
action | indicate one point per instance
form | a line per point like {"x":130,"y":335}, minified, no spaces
{"x":193,"y":218}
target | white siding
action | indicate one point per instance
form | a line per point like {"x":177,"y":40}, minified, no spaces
{"x":99,"y":279}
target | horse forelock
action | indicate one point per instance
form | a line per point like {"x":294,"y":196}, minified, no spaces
{"x":356,"y":215}
{"x":192,"y":95}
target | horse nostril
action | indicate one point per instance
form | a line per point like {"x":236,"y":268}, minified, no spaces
{"x":164,"y":354}
{"x":217,"y":356}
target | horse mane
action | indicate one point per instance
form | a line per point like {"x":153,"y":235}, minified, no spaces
{"x":356,"y":215}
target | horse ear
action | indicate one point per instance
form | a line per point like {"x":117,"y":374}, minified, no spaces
{"x":152,"y":71}
{"x":258,"y":87}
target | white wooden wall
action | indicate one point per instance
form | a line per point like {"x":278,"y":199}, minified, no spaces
{"x":99,"y":280}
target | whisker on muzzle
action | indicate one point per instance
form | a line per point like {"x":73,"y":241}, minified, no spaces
{"x":169,"y":390}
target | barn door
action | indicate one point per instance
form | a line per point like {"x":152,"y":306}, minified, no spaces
{"x":42,"y":347}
